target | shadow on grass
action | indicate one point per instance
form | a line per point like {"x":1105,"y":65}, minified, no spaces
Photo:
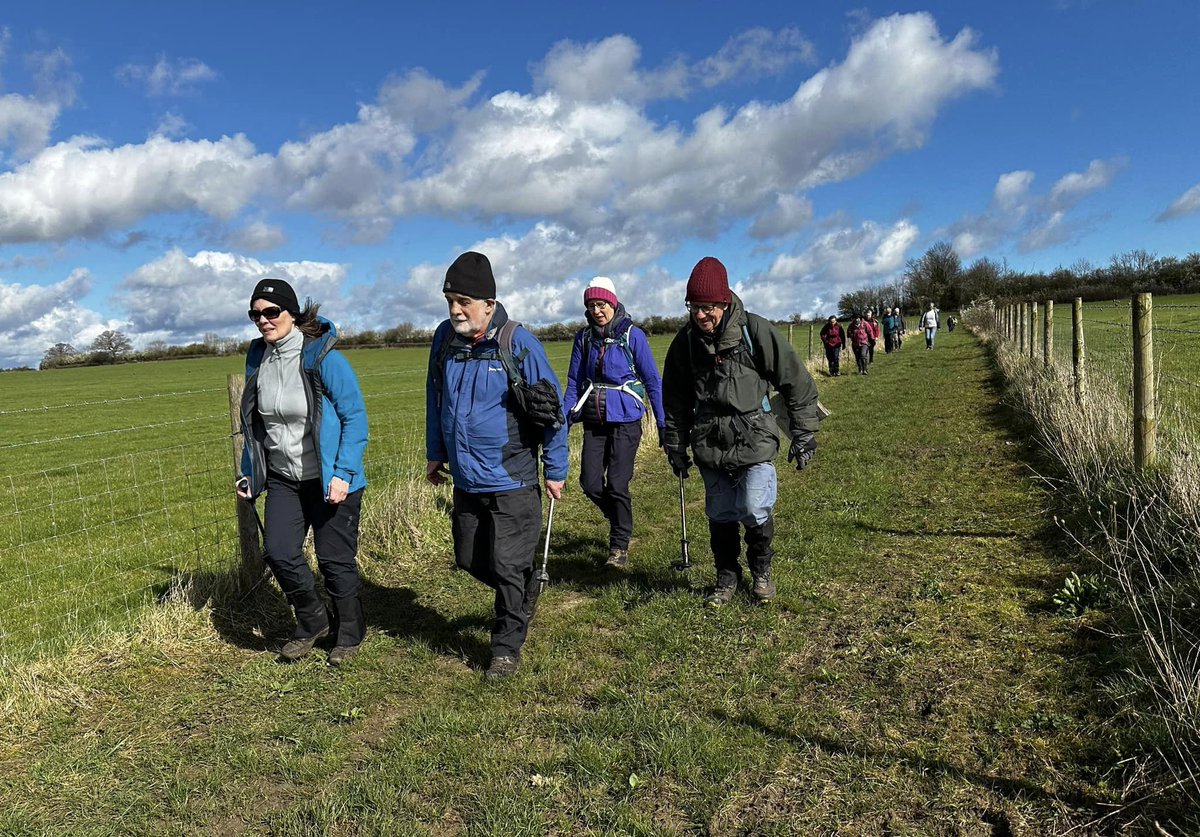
{"x":582,"y":566}
{"x":1009,"y":787}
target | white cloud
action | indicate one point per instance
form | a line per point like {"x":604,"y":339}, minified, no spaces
{"x":1011,"y":189}
{"x":35,"y":317}
{"x":167,"y":77}
{"x":171,"y":125}
{"x":210,"y":291}
{"x":1185,"y":204}
{"x":258,"y":235}
{"x":754,"y":54}
{"x":1073,"y":187}
{"x":1032,"y":221}
{"x":423,"y":102}
{"x":837,"y":262}
{"x":606,"y":70}
{"x":25,"y":123}
{"x":79,"y":188}
{"x":790,"y":213}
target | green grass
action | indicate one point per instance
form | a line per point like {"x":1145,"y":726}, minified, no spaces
{"x":912,"y":677}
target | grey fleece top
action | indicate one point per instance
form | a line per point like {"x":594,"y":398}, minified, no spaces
{"x":284,"y":409}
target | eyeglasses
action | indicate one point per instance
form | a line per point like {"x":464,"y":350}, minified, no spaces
{"x":706,"y":310}
{"x":270,"y":313}
{"x":596,"y":303}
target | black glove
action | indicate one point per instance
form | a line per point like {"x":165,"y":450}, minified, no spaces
{"x":679,"y":461}
{"x":662,"y":442}
{"x":804,"y":445}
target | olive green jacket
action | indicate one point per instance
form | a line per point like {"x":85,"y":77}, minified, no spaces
{"x":714,"y":387}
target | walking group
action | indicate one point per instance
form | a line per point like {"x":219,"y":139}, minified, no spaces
{"x":497,"y":424}
{"x":863,"y":334}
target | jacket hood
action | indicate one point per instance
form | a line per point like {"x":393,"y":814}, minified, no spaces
{"x":729,"y":332}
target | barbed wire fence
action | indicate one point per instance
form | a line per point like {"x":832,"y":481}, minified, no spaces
{"x":88,"y":544}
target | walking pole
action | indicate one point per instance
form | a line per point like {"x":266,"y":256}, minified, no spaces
{"x":543,"y":577}
{"x":685,"y":561}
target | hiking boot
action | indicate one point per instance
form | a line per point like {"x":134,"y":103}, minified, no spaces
{"x":764,"y":588}
{"x":342,"y":653}
{"x":501,"y":667}
{"x":297,"y":647}
{"x":722,"y":595}
{"x":617,"y":558}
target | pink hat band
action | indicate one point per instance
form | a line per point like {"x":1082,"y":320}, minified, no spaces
{"x":599,"y":293}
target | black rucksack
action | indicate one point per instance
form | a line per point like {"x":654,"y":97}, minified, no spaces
{"x":536,"y":403}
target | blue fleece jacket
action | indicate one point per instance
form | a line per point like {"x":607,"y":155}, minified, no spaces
{"x":335,"y":406}
{"x":469,"y":423}
{"x":607,"y":363}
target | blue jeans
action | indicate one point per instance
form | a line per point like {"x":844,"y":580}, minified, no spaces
{"x":744,"y":496}
{"x":930,"y":333}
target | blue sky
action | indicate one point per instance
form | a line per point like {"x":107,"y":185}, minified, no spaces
{"x":155,"y":164}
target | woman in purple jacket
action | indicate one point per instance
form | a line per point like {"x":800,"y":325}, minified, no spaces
{"x":611,"y":382}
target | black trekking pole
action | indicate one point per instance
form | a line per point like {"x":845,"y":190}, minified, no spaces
{"x":262,"y":531}
{"x":543,"y":577}
{"x":685,"y":560}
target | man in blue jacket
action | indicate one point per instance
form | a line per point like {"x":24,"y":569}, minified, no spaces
{"x":473,"y":426}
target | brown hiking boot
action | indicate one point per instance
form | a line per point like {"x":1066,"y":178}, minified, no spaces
{"x":294,"y":648}
{"x":764,"y":588}
{"x":342,"y":653}
{"x":617,"y":558}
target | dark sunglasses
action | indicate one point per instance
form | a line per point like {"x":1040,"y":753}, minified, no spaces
{"x":271,"y":313}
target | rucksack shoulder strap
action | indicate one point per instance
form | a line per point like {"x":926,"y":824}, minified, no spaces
{"x":511,"y":361}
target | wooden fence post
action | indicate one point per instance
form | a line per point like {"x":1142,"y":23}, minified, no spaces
{"x":1021,"y":326}
{"x":789,"y":334}
{"x":1032,"y":347}
{"x":1145,"y":412}
{"x":251,"y":567}
{"x":810,"y":341}
{"x":1048,"y":334}
{"x":1077,"y":349}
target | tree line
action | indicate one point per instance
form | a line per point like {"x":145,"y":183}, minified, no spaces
{"x":938,"y":276}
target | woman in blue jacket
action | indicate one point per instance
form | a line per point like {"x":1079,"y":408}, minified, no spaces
{"x":304,"y":424}
{"x":611,"y":382}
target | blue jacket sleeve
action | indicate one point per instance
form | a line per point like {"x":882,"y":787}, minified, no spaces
{"x":341,"y":385}
{"x":435,"y":445}
{"x":647,"y":372}
{"x":573,"y":383}
{"x":535,"y":367}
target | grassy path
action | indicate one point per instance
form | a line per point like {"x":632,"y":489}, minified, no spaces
{"x":910,"y":679}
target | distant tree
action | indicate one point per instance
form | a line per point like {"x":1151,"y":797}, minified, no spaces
{"x":856,"y":303}
{"x":110,"y":346}
{"x":935,"y":277}
{"x":59,"y":354}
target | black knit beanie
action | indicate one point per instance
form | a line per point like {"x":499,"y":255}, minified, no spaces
{"x":278,"y":292}
{"x":471,"y":275}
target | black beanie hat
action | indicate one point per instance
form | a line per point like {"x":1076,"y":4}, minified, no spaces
{"x":279,"y":292}
{"x":471,"y":275}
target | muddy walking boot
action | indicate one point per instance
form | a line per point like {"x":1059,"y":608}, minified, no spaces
{"x":312,"y":623}
{"x":350,"y":629}
{"x":617,"y":558}
{"x":501,"y":668}
{"x":759,"y":553}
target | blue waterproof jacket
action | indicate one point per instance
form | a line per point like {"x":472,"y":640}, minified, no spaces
{"x":608,"y":365}
{"x":335,"y":408}
{"x":469,"y":423}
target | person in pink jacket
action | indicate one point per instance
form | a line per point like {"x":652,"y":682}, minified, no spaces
{"x":873,"y":325}
{"x":860,"y":335}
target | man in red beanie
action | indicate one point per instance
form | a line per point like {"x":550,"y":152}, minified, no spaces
{"x":718,"y":374}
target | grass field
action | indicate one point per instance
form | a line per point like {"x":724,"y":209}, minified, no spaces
{"x":912,"y":677}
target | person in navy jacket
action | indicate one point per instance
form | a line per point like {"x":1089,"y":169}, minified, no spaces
{"x":471,"y":426}
{"x":304,"y":423}
{"x":611,"y":383}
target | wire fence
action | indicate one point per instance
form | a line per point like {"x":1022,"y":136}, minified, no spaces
{"x":109,"y":518}
{"x":1149,"y":348}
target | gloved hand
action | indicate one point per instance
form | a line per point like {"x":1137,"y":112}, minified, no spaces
{"x":804,"y":445}
{"x":661,"y":439}
{"x":679,"y":461}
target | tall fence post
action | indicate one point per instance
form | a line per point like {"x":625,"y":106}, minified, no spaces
{"x":1077,"y":349}
{"x":810,"y":341}
{"x":251,"y":567}
{"x":1021,"y":308}
{"x":1048,"y":334}
{"x":1032,"y":347}
{"x":1145,"y":412}
{"x":790,"y":334}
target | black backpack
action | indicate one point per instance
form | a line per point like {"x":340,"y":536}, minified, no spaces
{"x":537,"y":404}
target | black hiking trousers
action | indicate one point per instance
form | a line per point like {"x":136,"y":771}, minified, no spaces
{"x":495,"y":540}
{"x":605,"y":469}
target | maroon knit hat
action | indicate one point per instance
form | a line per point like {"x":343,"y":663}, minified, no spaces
{"x":709,"y":283}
